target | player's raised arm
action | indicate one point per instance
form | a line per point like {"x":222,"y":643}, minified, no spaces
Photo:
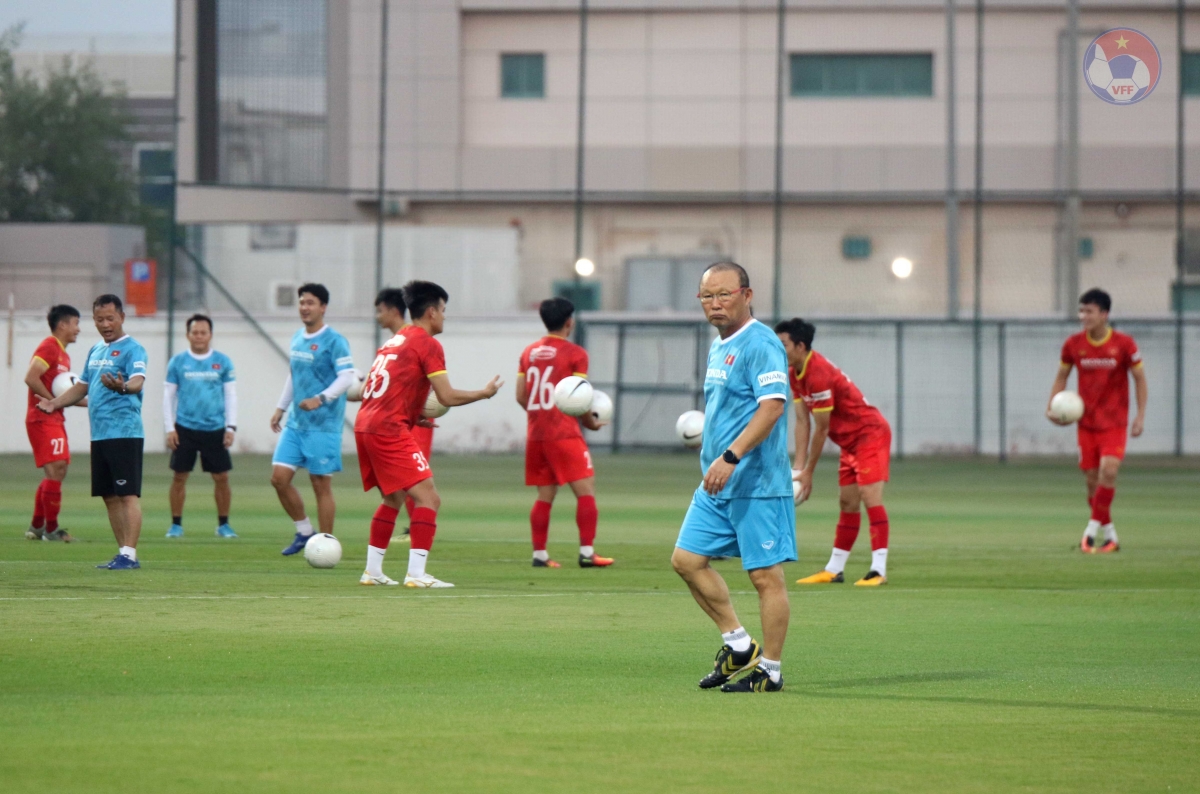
{"x":450,"y":397}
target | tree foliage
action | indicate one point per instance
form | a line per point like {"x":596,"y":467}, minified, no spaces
{"x":59,"y":145}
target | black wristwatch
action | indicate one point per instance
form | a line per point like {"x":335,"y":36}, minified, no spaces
{"x":730,"y":458}
{"x":231,"y":428}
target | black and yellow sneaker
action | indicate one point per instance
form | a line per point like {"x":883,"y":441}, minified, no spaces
{"x":729,"y":663}
{"x":757,"y":681}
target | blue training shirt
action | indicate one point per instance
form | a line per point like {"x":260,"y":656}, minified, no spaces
{"x":316,"y":361}
{"x":111,"y":414}
{"x":743,"y":370}
{"x":201,"y":381}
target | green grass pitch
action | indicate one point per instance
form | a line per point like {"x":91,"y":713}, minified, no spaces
{"x":998,"y":659}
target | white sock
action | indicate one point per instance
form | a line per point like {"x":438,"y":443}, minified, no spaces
{"x":737,"y":639}
{"x":416,"y":562}
{"x":772,"y":668}
{"x":1110,"y":532}
{"x":879,"y":562}
{"x":837,"y":561}
{"x":375,"y":560}
{"x":1092,"y":528}
{"x":304,"y":526}
{"x":542,"y":555}
{"x":129,"y":551}
{"x":587,"y":551}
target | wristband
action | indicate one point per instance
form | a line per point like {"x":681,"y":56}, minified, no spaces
{"x":731,"y":458}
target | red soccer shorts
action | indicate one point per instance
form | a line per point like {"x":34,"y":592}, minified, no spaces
{"x":557,"y":462}
{"x":869,"y":461}
{"x":49,"y":442}
{"x":1096,"y":444}
{"x":424,"y":438}
{"x":391,"y":463}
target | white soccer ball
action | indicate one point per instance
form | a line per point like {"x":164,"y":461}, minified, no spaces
{"x":355,"y":392}
{"x":602,"y":407}
{"x":323,"y":550}
{"x":62,"y":382}
{"x":573,"y":395}
{"x":690,"y":428}
{"x":433,"y":409}
{"x":796,"y":487}
{"x":1067,"y":406}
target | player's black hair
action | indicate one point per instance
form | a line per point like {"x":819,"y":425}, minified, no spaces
{"x":1097,"y":297}
{"x":318,"y":291}
{"x":726,"y":265}
{"x":555,"y":313}
{"x":799,"y":331}
{"x":196,"y":318}
{"x":392,"y":296}
{"x":421,"y":295}
{"x":108,"y":299}
{"x":59,"y":313}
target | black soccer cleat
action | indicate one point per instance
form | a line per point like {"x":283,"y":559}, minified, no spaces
{"x":729,"y":663}
{"x":757,"y":681}
{"x":545,"y":563}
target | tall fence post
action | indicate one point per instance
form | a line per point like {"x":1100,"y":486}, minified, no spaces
{"x":381,"y":175}
{"x":977,"y":243}
{"x":1002,"y":388}
{"x":899,"y":390}
{"x":580,"y":140}
{"x":1179,"y":233}
{"x":617,"y":387}
{"x":777,"y":197}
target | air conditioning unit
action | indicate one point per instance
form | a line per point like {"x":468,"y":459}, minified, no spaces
{"x":282,"y":297}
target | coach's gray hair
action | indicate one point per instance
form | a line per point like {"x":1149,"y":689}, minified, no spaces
{"x":729,"y":266}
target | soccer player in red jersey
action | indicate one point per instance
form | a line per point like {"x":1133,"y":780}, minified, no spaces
{"x":840,"y":413}
{"x":1105,"y":359}
{"x":405,"y":368}
{"x":48,"y":432}
{"x":555,"y":452}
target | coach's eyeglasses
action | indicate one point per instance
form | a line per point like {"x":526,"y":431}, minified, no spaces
{"x":720,"y":297}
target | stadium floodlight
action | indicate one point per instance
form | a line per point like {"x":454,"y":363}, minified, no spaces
{"x":585,"y":267}
{"x":902,"y":267}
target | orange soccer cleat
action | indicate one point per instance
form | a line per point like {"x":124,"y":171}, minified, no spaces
{"x":545,"y":563}
{"x":1109,"y":547}
{"x":822,"y":577}
{"x":595,"y":561}
{"x":1088,"y":545}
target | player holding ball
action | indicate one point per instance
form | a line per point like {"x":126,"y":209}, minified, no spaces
{"x":1105,"y":359}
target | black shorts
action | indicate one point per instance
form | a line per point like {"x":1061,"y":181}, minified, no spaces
{"x":117,"y":467}
{"x":214,"y":457}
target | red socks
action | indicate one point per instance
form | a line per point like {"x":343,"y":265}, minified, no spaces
{"x":46,"y":504}
{"x":423,"y":528}
{"x":539,"y":522}
{"x":39,"y":511}
{"x":879,"y":527}
{"x":847,"y":531}
{"x":1101,"y":502}
{"x":383,"y":523}
{"x":586,"y":516}
{"x":410,"y":505}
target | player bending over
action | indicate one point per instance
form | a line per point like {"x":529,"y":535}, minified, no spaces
{"x":48,"y":432}
{"x":321,"y":372}
{"x":555,"y":452}
{"x":200,"y":415}
{"x":405,"y":369}
{"x":112,"y":380}
{"x":743,"y":508}
{"x":1105,"y":358}
{"x":840,"y":413}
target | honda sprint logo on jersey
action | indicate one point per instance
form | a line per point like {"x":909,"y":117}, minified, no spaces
{"x":718,"y":374}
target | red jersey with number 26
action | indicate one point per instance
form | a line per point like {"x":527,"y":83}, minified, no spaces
{"x":824,"y":387}
{"x":1103,"y":377}
{"x":398,"y":384}
{"x":544,"y":364}
{"x":51,"y":353}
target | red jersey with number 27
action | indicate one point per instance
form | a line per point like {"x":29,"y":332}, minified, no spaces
{"x":1103,"y":377}
{"x":824,"y":387}
{"x":51,"y":353}
{"x":544,"y":364}
{"x":398,"y":384}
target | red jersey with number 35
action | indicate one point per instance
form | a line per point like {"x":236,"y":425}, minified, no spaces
{"x":398,"y":384}
{"x":51,"y":353}
{"x":544,"y":364}
{"x":1103,"y":377}
{"x":824,"y":387}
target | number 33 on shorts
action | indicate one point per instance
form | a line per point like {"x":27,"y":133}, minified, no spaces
{"x":422,"y":463}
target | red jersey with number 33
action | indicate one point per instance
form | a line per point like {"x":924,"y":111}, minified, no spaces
{"x":1103,"y":377}
{"x":51,"y":353}
{"x":398,"y":384}
{"x":544,"y":364}
{"x":824,"y":387}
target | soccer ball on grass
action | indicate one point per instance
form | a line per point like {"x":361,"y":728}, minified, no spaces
{"x":323,"y":550}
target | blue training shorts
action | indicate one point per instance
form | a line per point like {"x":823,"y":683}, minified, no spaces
{"x":320,"y":453}
{"x":761,"y":531}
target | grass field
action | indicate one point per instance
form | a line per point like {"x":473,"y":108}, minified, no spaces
{"x":996,"y":660}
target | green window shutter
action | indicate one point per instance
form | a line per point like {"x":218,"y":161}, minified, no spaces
{"x":523,"y":75}
{"x":861,"y":75}
{"x":1191,"y":73}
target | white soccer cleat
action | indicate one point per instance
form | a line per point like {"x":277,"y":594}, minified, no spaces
{"x":425,"y":582}
{"x":381,"y":579}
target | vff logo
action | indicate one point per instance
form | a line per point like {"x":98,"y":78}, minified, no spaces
{"x":1122,"y":66}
